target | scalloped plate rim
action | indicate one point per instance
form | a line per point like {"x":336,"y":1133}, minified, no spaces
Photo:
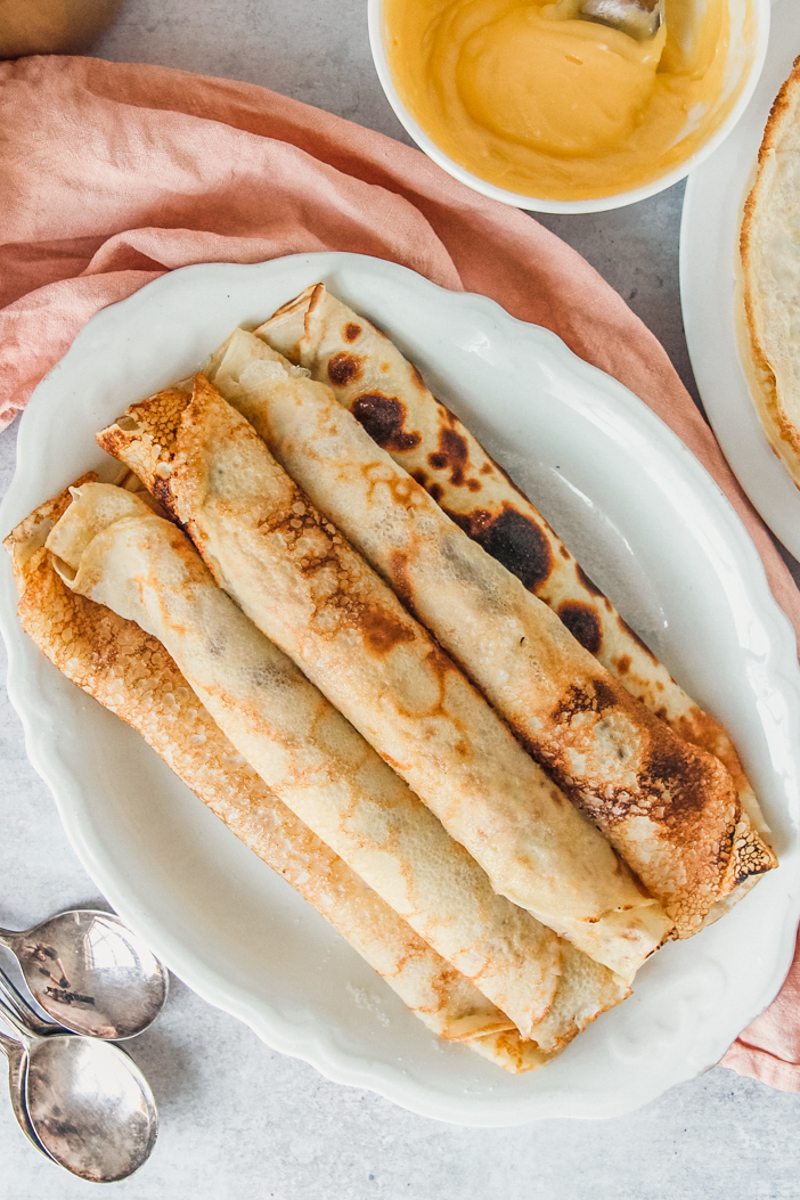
{"x":292,"y":1037}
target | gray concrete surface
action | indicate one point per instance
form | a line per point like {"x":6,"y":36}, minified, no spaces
{"x":239,"y":1121}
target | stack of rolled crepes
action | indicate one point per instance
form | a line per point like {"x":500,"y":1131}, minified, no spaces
{"x":352,"y":655}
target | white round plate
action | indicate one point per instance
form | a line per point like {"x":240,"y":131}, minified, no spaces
{"x":648,"y":524}
{"x":712,"y":213}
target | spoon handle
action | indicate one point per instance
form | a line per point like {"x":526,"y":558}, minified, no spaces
{"x":28,"y":1015}
{"x":23,"y":1034}
{"x":17,"y":1057}
{"x":8,"y":1045}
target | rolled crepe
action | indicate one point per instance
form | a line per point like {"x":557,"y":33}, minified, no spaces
{"x":130,"y":673}
{"x":389,"y":397}
{"x":297,"y":579}
{"x":670,"y":809}
{"x":111,"y":548}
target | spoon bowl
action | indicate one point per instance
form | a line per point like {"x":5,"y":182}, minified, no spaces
{"x":90,"y":973}
{"x":90,"y":1107}
{"x":83,"y":1103}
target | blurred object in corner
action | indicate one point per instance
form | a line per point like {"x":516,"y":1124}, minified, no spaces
{"x":52,"y":26}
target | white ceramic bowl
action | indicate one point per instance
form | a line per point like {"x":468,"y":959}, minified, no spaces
{"x":745,"y":61}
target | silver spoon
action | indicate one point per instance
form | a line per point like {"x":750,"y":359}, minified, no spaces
{"x":87,"y":1103}
{"x":640,"y":19}
{"x":17,"y":1078}
{"x":90,"y":973}
{"x":22,"y":1009}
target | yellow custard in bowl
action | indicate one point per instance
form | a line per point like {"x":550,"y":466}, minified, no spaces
{"x":532,"y":100}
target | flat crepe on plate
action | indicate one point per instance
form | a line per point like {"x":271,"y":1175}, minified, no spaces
{"x":770,"y":259}
{"x":304,"y":586}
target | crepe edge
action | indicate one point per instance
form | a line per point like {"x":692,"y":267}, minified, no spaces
{"x":781,"y":433}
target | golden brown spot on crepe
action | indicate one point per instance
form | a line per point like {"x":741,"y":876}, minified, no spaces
{"x":443,"y":667}
{"x":674,"y":779}
{"x":316,"y":298}
{"x":673,"y":773}
{"x":439,"y":668}
{"x":394,"y":763}
{"x":160,"y":416}
{"x":473,"y":485}
{"x":380,"y":628}
{"x":623,"y":664}
{"x":442,"y":984}
{"x":452,"y":455}
{"x":486,"y":469}
{"x":512,"y":539}
{"x":343,"y":368}
{"x":596,"y":696}
{"x":705,"y":731}
{"x":383,"y":631}
{"x":309,"y":298}
{"x":351,"y":331}
{"x":581,"y":620}
{"x":75,"y":620}
{"x":403,"y":488}
{"x":752,"y":857}
{"x":382,"y":416}
{"x":161,"y":490}
{"x":398,"y":575}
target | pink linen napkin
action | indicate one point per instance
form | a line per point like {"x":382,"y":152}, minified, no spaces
{"x":112,"y":174}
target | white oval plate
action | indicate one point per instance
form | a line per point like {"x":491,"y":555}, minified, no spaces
{"x":648,"y":524}
{"x":712,"y":213}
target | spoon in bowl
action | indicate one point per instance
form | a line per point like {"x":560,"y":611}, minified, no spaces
{"x":90,"y":973}
{"x":85,"y":1103}
{"x":640,"y":19}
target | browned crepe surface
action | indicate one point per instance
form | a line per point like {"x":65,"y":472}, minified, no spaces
{"x":389,"y":397}
{"x":311,"y":594}
{"x":130,"y":673}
